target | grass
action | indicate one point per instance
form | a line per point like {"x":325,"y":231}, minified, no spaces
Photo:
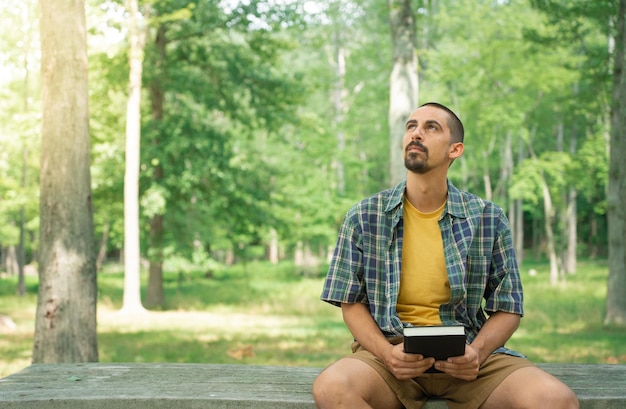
{"x":268,"y":315}
{"x":564,"y":323}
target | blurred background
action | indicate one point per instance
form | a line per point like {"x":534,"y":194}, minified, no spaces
{"x":261,"y":121}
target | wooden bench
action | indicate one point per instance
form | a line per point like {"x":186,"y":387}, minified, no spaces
{"x":195,"y":386}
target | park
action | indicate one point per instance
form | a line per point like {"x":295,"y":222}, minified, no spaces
{"x":173,"y":176}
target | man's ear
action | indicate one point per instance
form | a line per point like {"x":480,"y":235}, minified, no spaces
{"x":456,"y":150}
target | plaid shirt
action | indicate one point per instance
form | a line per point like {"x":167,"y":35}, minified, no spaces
{"x":478,"y":250}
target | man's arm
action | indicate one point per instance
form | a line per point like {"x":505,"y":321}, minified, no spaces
{"x":367,"y":333}
{"x":493,"y":334}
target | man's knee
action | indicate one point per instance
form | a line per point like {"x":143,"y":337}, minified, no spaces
{"x":532,"y":388}
{"x":554,"y":394}
{"x":319,"y":387}
{"x":352,"y":383}
{"x":560,"y":396}
{"x":327,"y":388}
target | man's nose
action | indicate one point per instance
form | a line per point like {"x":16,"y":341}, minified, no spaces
{"x":417,"y":134}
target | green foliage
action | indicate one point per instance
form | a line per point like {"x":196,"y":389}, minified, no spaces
{"x":590,"y":171}
{"x":200,"y":261}
{"x":258,"y":132}
{"x":223,"y":97}
{"x":19,"y":124}
{"x":553,"y":167}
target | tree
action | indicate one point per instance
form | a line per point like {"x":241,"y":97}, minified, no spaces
{"x":525,"y":74}
{"x":216,"y":94}
{"x":155,"y":296}
{"x":132,"y":287}
{"x":616,"y":197}
{"x":576,"y":22}
{"x":65,"y":325}
{"x":403,"y":83}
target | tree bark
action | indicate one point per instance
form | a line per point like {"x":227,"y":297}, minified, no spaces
{"x":519,"y":215}
{"x":550,"y":242}
{"x":102,"y":253}
{"x":132,"y":269}
{"x":570,"y":258}
{"x":403,"y":82}
{"x":339,"y":96}
{"x":11,"y":261}
{"x":155,"y":296}
{"x":616,"y":197}
{"x":273,"y":256}
{"x":21,"y":251}
{"x":65,"y":323}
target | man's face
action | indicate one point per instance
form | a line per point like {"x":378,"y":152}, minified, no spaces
{"x":426,"y":144}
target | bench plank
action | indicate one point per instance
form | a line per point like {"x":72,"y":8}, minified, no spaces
{"x":221,"y":386}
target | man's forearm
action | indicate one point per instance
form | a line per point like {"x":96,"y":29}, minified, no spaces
{"x":494,"y":333}
{"x":364,"y":329}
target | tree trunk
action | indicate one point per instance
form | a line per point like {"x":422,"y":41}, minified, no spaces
{"x":487,"y":178}
{"x":518,"y":232}
{"x":21,"y":252}
{"x":403,"y":82}
{"x":519,"y":214}
{"x":616,"y":291}
{"x":568,"y":215}
{"x":155,"y":296}
{"x":551,"y":247}
{"x":3,"y":251}
{"x":132,"y":267}
{"x":11,"y":261}
{"x":570,"y":258}
{"x":65,"y":323}
{"x":339,"y":93}
{"x":102,"y":253}
{"x":593,"y":229}
{"x":548,"y":210}
{"x":506,"y":168}
{"x":273,"y":247}
{"x":515,"y":211}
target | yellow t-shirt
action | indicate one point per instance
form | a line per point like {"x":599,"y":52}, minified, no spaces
{"x":424,"y":284}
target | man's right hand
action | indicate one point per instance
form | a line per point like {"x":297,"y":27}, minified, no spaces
{"x":405,"y":366}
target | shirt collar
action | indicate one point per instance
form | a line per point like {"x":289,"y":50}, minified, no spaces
{"x":454,"y":206}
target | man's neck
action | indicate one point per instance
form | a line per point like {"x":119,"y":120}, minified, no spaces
{"x":426,"y":192}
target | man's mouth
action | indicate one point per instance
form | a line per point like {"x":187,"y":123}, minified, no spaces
{"x":416,"y":147}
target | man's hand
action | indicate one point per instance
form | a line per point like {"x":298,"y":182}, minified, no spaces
{"x":405,"y":366}
{"x":493,"y":334}
{"x":463,"y":367}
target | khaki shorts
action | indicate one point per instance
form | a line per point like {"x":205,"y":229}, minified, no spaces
{"x":459,"y":394}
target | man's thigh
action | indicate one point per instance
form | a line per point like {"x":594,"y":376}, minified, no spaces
{"x":355,"y":382}
{"x":531,"y":387}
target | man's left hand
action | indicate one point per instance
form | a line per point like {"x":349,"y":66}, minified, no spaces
{"x":463,"y":367}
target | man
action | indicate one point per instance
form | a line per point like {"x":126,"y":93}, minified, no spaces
{"x":425,"y":253}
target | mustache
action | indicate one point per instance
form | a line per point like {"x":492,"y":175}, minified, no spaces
{"x":417,"y":144}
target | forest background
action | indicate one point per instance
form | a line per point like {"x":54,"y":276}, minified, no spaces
{"x":262,"y":122}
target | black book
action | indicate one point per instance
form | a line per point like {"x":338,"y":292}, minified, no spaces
{"x":440,"y":341}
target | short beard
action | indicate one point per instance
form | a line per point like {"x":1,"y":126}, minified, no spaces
{"x":415,"y":165}
{"x":412,"y":161}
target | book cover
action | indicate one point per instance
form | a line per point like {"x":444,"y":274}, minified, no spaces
{"x":439,"y":342}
